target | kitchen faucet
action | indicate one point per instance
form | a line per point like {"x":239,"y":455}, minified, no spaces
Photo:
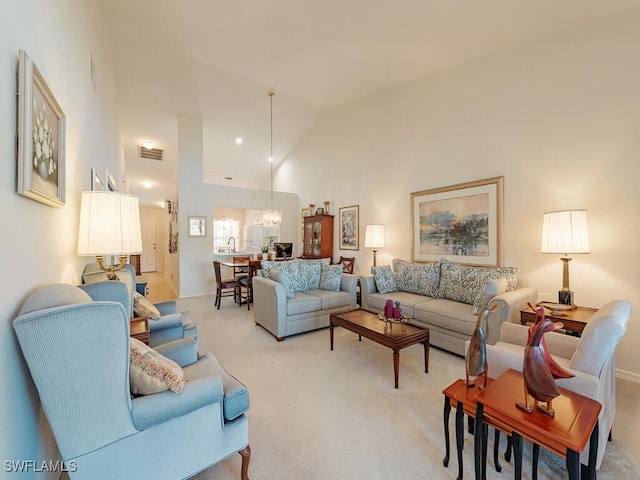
{"x":234,"y":244}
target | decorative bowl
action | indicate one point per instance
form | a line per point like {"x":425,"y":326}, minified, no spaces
{"x":403,"y":318}
{"x":557,"y":308}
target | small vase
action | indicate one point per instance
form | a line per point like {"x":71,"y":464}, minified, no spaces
{"x":42,"y":170}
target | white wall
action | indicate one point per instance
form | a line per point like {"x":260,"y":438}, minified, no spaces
{"x":197,"y":198}
{"x":39,"y":245}
{"x":559,"y":119}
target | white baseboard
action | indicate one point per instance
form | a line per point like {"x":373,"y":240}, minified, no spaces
{"x":627,"y":375}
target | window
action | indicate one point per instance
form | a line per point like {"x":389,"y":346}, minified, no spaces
{"x":223,"y":230}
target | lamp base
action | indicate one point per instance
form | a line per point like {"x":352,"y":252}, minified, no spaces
{"x":565,"y":297}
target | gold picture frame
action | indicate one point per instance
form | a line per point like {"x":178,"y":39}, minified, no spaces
{"x":41,"y":138}
{"x":462,"y":223}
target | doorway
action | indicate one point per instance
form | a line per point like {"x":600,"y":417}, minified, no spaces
{"x":149,"y":257}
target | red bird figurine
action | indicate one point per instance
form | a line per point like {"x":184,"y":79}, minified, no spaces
{"x":539,"y":369}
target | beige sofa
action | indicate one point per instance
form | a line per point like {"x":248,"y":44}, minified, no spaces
{"x":299,"y":295}
{"x":446,"y":297}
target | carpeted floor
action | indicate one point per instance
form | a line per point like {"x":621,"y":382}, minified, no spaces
{"x":318,"y":414}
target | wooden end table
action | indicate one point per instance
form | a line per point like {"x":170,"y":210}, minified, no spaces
{"x":139,"y":329}
{"x":574,"y":320}
{"x":396,"y":336}
{"x":463,"y":398}
{"x":566,"y":434}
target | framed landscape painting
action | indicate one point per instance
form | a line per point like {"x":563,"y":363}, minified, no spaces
{"x":41,"y":137}
{"x":349,"y":228}
{"x":461,"y":223}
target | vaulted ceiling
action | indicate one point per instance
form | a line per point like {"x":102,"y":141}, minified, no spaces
{"x":217,"y":60}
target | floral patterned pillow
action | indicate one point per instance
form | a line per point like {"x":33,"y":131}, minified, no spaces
{"x":282,"y":278}
{"x":384,"y":278}
{"x":331,"y":277}
{"x":309,"y":271}
{"x":420,"y":278}
{"x":463,"y":283}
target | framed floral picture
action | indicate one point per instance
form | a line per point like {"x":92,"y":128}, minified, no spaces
{"x":41,"y":137}
{"x":349,"y":228}
{"x":461,"y":223}
{"x":197,"y":226}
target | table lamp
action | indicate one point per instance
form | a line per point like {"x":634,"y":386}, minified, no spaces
{"x":109,"y":225}
{"x":565,"y":232}
{"x":374,"y":238}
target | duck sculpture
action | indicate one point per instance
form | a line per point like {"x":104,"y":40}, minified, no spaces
{"x":476,"y":361}
{"x":539,"y":369}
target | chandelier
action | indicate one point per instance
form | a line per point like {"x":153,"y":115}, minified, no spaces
{"x":271,"y":216}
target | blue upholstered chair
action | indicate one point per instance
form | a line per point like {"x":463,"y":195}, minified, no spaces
{"x":172,"y":325}
{"x":77,"y":351}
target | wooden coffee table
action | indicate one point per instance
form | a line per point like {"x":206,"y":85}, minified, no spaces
{"x":395,"y":336}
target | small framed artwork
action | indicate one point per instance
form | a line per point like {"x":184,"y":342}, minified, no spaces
{"x":461,"y":223}
{"x":96,"y":181}
{"x":306,"y":212}
{"x":349,"y":227}
{"x":41,"y":138}
{"x":197,"y":226}
{"x":110,"y":182}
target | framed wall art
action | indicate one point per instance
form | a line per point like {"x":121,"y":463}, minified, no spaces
{"x":349,"y":228}
{"x":41,"y":137}
{"x":461,"y":223}
{"x":96,"y":181}
{"x":197,"y":226}
{"x":110,"y":182}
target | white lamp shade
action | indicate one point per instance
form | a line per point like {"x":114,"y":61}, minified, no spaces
{"x":565,"y":232}
{"x":374,"y":236}
{"x":109,"y":224}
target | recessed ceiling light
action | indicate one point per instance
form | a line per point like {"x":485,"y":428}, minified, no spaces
{"x":239,"y":140}
{"x":148,"y":184}
{"x":148,"y":145}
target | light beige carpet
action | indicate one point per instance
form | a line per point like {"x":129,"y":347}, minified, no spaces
{"x":318,"y":414}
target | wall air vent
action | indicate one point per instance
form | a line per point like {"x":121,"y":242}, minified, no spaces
{"x":150,"y":153}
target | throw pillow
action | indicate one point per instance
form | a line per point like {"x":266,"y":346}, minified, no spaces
{"x":463,"y":283}
{"x":420,"y":278}
{"x":282,"y":277}
{"x":150,"y":372}
{"x":143,"y":308}
{"x":310,"y":273}
{"x":492,"y":287}
{"x":384,"y":278}
{"x":331,"y":277}
{"x":267,"y":266}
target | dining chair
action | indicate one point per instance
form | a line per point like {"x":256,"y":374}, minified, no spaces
{"x":225,"y":288}
{"x":348,"y":263}
{"x":247,"y":282}
{"x":240,"y":272}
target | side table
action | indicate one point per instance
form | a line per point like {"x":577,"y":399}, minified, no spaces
{"x":566,"y":434}
{"x":139,"y":328}
{"x":574,"y":320}
{"x":464,"y":399}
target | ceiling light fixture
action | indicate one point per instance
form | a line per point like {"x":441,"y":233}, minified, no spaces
{"x":271,"y":216}
{"x":148,"y":145}
{"x":239,"y":140}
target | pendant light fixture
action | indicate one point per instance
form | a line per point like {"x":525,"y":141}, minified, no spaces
{"x":271,"y":216}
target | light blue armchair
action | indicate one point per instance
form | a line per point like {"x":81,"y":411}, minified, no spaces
{"x":77,"y":351}
{"x":172,"y":325}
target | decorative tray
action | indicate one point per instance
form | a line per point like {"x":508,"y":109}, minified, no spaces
{"x":403,"y":318}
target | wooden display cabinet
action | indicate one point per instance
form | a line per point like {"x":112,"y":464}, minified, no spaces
{"x":318,"y":236}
